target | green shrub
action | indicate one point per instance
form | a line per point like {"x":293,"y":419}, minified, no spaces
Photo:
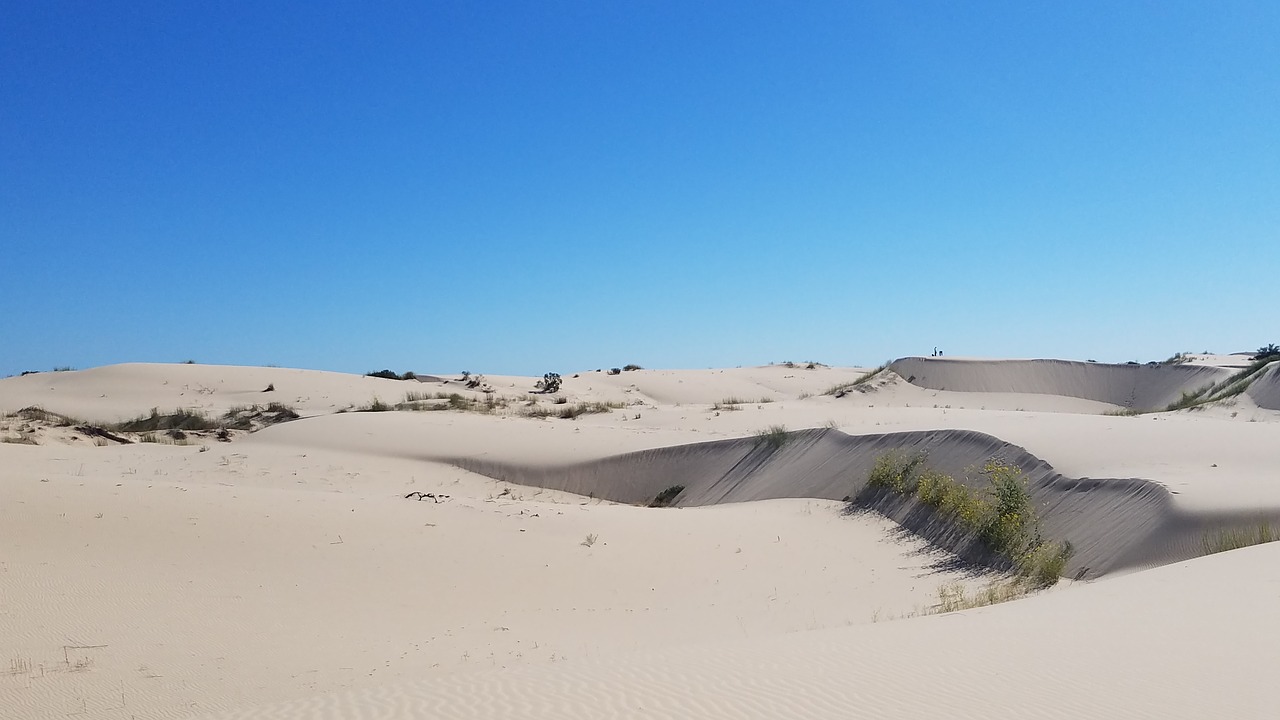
{"x":1001,"y":514}
{"x":896,"y":470}
{"x":550,"y":383}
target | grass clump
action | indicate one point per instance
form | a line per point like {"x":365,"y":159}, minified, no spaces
{"x":376,"y":405}
{"x":773,"y":437}
{"x":571,"y":412}
{"x":1000,"y":514}
{"x":1235,"y":538}
{"x":729,"y":404}
{"x":180,"y":419}
{"x":955,"y":596}
{"x":253,"y":417}
{"x":896,"y":470}
{"x":39,"y":414}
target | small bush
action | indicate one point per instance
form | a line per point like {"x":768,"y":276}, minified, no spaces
{"x":667,"y":497}
{"x":896,"y":470}
{"x":376,"y":406}
{"x":1001,"y":514}
{"x":385,"y":374}
{"x":180,"y":419}
{"x":631,"y":367}
{"x":549,"y":384}
{"x":1267,"y":352}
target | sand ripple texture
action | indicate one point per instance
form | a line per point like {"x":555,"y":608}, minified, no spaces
{"x":1158,"y":644}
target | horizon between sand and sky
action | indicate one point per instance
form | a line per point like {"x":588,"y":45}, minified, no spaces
{"x":517,"y":188}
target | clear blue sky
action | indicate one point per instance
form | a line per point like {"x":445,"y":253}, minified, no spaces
{"x":517,"y":187}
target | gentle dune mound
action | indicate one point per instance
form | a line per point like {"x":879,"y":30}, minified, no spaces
{"x":1112,"y":524}
{"x":1137,"y":387}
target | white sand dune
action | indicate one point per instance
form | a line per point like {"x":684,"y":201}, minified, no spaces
{"x":1143,"y":387}
{"x":284,"y":574}
{"x":1193,"y":640}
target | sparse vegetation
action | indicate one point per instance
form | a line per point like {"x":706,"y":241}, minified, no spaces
{"x":39,"y":414}
{"x":729,"y":404}
{"x":179,"y":419}
{"x":1000,"y":514}
{"x":773,"y":437}
{"x":955,"y":596}
{"x":1228,"y":388}
{"x":1177,"y":359}
{"x":570,"y":412}
{"x":376,"y":405}
{"x":843,"y":388}
{"x":1235,"y":538}
{"x":1268,"y":352}
{"x":631,"y":367}
{"x":589,"y":540}
{"x":253,"y":417}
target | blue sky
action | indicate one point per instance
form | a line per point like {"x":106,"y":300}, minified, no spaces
{"x":524,"y":187}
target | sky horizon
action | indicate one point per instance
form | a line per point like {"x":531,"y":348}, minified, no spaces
{"x":516,"y":189}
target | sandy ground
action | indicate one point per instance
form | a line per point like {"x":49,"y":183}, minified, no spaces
{"x":285,"y":575}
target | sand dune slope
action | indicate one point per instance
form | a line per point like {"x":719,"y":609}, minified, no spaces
{"x":1113,"y":524}
{"x":1193,"y":640}
{"x":1139,"y":387}
{"x":120,"y":392}
{"x":1265,"y":391}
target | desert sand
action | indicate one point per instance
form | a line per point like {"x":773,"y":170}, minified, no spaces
{"x":490,"y":558}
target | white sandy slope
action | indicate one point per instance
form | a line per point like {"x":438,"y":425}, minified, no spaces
{"x":261,"y":576}
{"x":1193,"y":640}
{"x":187,"y":581}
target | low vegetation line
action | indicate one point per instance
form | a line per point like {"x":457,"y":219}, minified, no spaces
{"x":1228,"y":388}
{"x":1235,"y":538}
{"x":842,"y":388}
